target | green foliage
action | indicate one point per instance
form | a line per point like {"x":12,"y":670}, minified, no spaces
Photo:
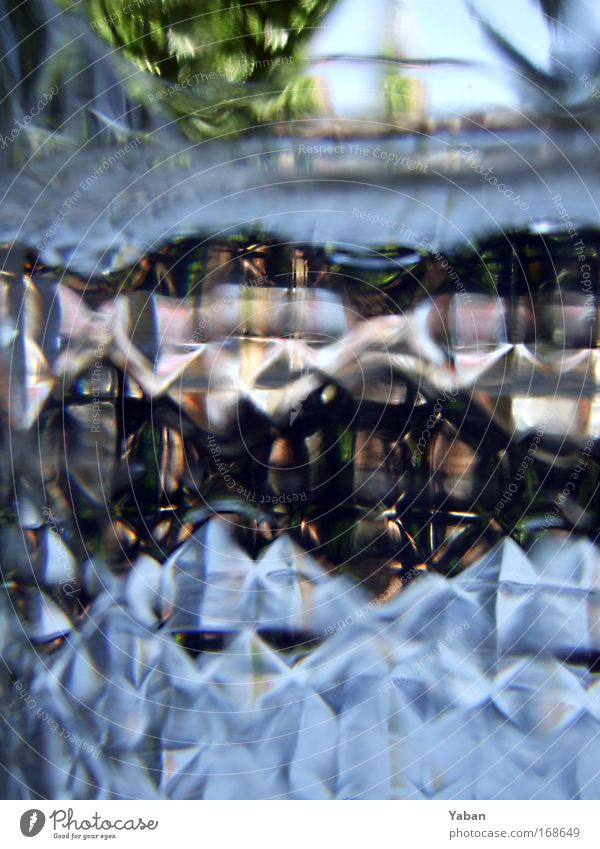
{"x":180,"y":38}
{"x":216,"y":67}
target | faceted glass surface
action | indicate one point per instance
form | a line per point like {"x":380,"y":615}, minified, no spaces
{"x":300,"y":401}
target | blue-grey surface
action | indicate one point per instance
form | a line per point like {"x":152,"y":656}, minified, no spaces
{"x":455,"y":689}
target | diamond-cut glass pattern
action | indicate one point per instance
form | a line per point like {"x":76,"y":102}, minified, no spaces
{"x":239,"y":512}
